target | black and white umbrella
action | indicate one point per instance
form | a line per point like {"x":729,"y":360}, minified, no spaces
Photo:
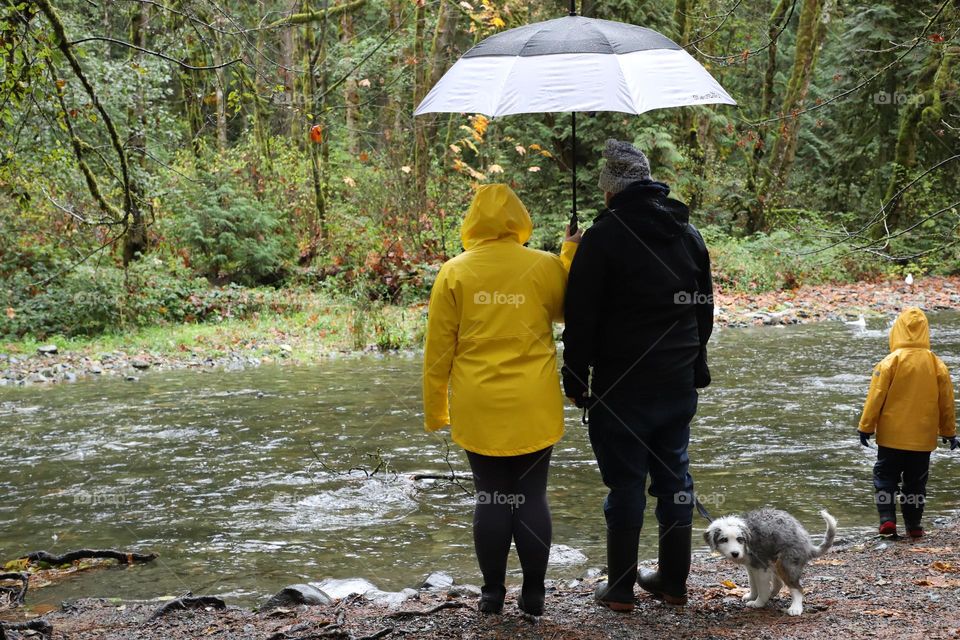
{"x":573,"y":64}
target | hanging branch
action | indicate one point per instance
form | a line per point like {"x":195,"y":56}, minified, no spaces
{"x":314,"y":16}
{"x":63,"y":44}
{"x":163,"y":56}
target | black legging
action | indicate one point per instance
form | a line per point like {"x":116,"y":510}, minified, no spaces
{"x":511,"y":503}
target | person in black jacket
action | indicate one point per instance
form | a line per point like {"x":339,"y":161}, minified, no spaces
{"x":639,"y":313}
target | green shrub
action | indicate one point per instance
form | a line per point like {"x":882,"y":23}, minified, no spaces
{"x":230,"y":236}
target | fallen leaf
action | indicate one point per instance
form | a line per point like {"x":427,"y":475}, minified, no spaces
{"x":364,"y":83}
{"x":729,"y":584}
{"x":946,"y":567}
{"x":886,"y":613}
{"x":533,"y":169}
{"x":350,"y":182}
{"x":406,"y":168}
{"x":11,"y":313}
{"x":831,"y":562}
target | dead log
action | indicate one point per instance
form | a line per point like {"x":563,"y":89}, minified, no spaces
{"x":16,"y":595}
{"x":123,"y":557}
{"x":42,"y":627}
{"x":428,"y":612}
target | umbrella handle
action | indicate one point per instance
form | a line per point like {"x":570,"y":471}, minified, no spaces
{"x":573,"y":214}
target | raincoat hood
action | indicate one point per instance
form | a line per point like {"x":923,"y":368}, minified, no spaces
{"x":495,"y":213}
{"x":910,"y":331}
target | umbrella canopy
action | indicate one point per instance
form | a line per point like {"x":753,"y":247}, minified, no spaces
{"x":573,"y":64}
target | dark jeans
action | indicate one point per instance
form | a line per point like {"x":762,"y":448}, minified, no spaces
{"x":633,"y":436}
{"x":511,"y":504}
{"x":903,"y":473}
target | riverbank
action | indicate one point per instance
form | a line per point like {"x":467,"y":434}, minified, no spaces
{"x":871,"y":587}
{"x":323,"y":330}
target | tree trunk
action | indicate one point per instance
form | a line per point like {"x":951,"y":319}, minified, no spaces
{"x":421,"y":149}
{"x":810,"y":33}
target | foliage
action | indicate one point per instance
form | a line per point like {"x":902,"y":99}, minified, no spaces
{"x":260,"y":148}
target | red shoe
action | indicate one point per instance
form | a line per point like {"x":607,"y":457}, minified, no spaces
{"x":915,"y":533}
{"x":888,"y":528}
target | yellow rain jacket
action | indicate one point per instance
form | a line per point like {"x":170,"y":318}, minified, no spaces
{"x":490,"y":336}
{"x":911,"y":395}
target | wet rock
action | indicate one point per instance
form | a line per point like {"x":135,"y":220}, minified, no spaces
{"x":391,"y":599}
{"x":437,"y":580}
{"x":47,"y":350}
{"x":69,"y":376}
{"x":338,"y":589}
{"x":37,"y":378}
{"x":561,"y":554}
{"x":140,"y":364}
{"x":95,"y":369}
{"x":286,"y":348}
{"x":297,"y":594}
{"x":132,"y":379}
{"x":464,"y":591}
{"x":591,"y":573}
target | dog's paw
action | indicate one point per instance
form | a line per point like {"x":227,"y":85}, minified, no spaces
{"x":756,"y":604}
{"x":794,"y":610}
{"x":749,"y":597}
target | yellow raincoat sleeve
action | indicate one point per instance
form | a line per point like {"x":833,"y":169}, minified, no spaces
{"x":879,"y":384}
{"x":567,"y":252}
{"x":948,"y":416}
{"x":443,"y":323}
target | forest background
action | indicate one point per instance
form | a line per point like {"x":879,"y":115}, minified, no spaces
{"x":178,"y":163}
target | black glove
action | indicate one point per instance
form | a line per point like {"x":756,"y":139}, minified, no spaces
{"x":953,"y":442}
{"x":864,"y":438}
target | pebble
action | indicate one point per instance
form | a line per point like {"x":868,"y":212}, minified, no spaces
{"x":143,"y":365}
{"x":47,"y":350}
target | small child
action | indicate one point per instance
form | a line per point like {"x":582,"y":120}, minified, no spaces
{"x":910,"y":401}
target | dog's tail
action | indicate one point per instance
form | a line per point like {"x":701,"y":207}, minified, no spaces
{"x":828,"y":536}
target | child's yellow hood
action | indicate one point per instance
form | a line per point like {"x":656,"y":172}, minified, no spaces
{"x":910,"y":331}
{"x":496,"y":212}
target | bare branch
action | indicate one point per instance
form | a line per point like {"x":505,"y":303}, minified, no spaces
{"x":129,"y":45}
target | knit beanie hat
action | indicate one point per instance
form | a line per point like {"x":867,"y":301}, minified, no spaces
{"x":625,"y":164}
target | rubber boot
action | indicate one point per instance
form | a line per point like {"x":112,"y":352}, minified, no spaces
{"x":669,"y":581}
{"x":491,"y":599}
{"x":617,"y":593}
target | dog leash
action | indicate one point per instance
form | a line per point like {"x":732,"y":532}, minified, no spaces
{"x":702,"y":510}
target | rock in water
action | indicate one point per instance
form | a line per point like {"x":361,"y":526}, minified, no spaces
{"x":47,"y":350}
{"x":561,"y":554}
{"x":437,"y":580}
{"x":338,"y":589}
{"x":143,"y":365}
{"x":297,"y":594}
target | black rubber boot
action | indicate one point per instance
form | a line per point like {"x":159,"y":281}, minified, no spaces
{"x":669,"y":581}
{"x":491,"y":599}
{"x":617,"y":593}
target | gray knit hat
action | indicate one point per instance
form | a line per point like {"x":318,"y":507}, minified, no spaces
{"x":625,"y":164}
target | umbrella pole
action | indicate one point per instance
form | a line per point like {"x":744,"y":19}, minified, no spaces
{"x":573,"y":213}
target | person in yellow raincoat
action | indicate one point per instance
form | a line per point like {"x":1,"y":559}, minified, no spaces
{"x":909,"y":403}
{"x":490,"y":373}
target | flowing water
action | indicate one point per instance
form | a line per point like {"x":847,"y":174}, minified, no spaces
{"x":215,"y":471}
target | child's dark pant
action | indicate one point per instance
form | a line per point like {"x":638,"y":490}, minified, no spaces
{"x":904,"y":473}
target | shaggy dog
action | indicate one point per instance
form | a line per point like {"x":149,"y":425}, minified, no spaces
{"x":773,"y":546}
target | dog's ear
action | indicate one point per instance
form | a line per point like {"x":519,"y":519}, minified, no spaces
{"x":745,"y":532}
{"x":708,"y":538}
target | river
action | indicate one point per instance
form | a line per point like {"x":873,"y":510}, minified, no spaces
{"x":214,"y":470}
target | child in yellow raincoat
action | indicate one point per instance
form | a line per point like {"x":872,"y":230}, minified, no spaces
{"x":909,"y":403}
{"x":490,"y":373}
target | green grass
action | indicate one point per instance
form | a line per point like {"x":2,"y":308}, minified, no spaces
{"x":320,"y":328}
